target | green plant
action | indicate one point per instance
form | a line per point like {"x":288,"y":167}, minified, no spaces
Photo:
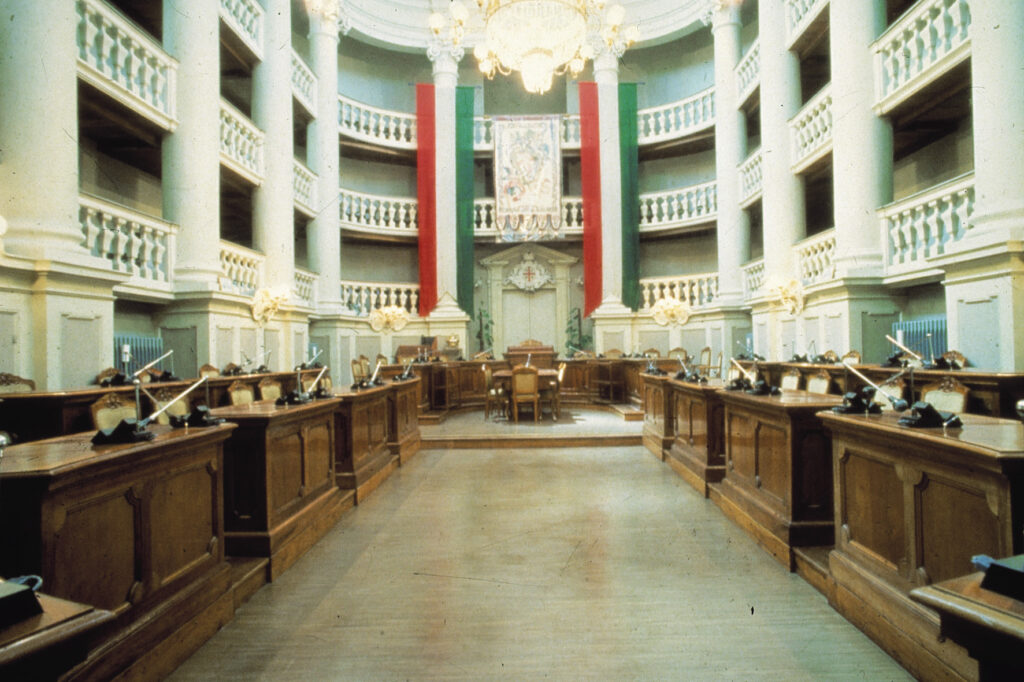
{"x":485,"y":334}
{"x":577,"y":340}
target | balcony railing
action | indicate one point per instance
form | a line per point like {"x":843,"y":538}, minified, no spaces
{"x":799,"y":15}
{"x":245,"y":18}
{"x":241,"y":143}
{"x":378,"y":214}
{"x":362,"y":297}
{"x":303,"y":84}
{"x":304,"y":187}
{"x":241,"y":268}
{"x":926,"y":224}
{"x":816,"y":257}
{"x":748,"y":73}
{"x":305,"y":286}
{"x":811,"y":130}
{"x":371,"y":124}
{"x":134,"y":243}
{"x":121,"y":60}
{"x":697,"y":290}
{"x":484,"y":216}
{"x":924,"y":43}
{"x":753,"y":278}
{"x":679,"y":208}
{"x":676,"y":119}
{"x":751,"y":179}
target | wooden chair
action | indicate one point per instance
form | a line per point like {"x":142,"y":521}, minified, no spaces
{"x":679,"y":354}
{"x":325,"y":382}
{"x":270,"y":389}
{"x":493,"y":393}
{"x":831,"y":356}
{"x":819,"y":383}
{"x":358,"y":373}
{"x":178,"y":409}
{"x":552,"y":393}
{"x":583,"y":355}
{"x":241,"y":393}
{"x":365,"y":362}
{"x":716,"y":369}
{"x":955,"y":359}
{"x":108,"y":411}
{"x":704,"y":363}
{"x":525,"y":390}
{"x":613,"y":353}
{"x":894,"y":389}
{"x":531,"y":343}
{"x":853,"y":356}
{"x":106,"y":375}
{"x":947,"y":395}
{"x":652,"y":353}
{"x":791,"y":380}
{"x":10,"y":383}
{"x":382,"y":359}
{"x":209,"y":371}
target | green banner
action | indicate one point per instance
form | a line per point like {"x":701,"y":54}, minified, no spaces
{"x":464,"y":196}
{"x":630,"y":196}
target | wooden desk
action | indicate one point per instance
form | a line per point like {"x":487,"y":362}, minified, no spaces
{"x":48,"y":645}
{"x":659,"y":419}
{"x":362,"y":457}
{"x":133,"y":529}
{"x":911,"y":508}
{"x":988,"y":624}
{"x":403,"y":419}
{"x":778,"y":479}
{"x":697,"y":451}
{"x":279,"y":490}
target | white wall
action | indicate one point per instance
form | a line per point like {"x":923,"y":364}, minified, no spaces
{"x":935,"y":163}
{"x":110,"y":179}
{"x":682,"y":255}
{"x":379,"y":262}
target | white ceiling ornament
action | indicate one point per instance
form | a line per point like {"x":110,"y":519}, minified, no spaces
{"x":791,"y":296}
{"x":528,"y":275}
{"x":266,"y":302}
{"x":389,"y":317}
{"x":668,"y":311}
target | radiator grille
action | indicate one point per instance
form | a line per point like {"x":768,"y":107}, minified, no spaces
{"x":915,"y":336}
{"x":144,"y":350}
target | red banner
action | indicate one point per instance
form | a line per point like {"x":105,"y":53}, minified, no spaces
{"x":426,"y":184}
{"x":590,"y":171}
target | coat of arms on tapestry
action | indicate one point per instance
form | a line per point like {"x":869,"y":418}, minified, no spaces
{"x":527,"y":178}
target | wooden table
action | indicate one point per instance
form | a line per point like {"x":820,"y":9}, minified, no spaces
{"x":280,"y":495}
{"x":911,"y":508}
{"x":48,"y":645}
{"x":988,"y":624}
{"x":697,"y":451}
{"x":659,"y":419}
{"x":362,"y":456}
{"x":778,"y":479}
{"x":133,"y":529}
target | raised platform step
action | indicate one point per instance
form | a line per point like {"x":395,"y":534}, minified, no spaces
{"x":511,"y":440}
{"x":629,"y":412}
{"x":812,"y":566}
{"x":248,"y":575}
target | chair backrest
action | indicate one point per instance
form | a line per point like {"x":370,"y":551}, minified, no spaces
{"x":853,"y":356}
{"x":791,"y":380}
{"x":208,"y":370}
{"x":108,"y":411}
{"x":325,"y":382}
{"x":357,"y":370}
{"x":948,"y":395}
{"x":955,"y":359}
{"x":10,"y":383}
{"x":178,"y":409}
{"x":524,"y":381}
{"x":893,"y":389}
{"x":819,"y":383}
{"x":716,"y":369}
{"x":561,"y":372}
{"x":382,"y":359}
{"x":705,"y":356}
{"x":241,"y":393}
{"x":365,"y":362}
{"x":106,"y":375}
{"x":613,"y":353}
{"x":531,"y":343}
{"x":831,"y":356}
{"x":488,"y":376}
{"x":270,"y":389}
{"x":652,"y":353}
{"x":679,"y":354}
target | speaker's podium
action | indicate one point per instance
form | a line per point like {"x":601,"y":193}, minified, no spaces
{"x":541,"y":356}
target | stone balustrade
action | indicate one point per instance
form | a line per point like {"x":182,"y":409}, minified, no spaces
{"x":304,"y":182}
{"x":241,"y":143}
{"x":815,"y":257}
{"x":245,"y":19}
{"x":305,"y":287}
{"x":679,"y":208}
{"x":241,"y":268}
{"x":696,"y":290}
{"x":484,"y":217}
{"x":753,"y":278}
{"x":126,"y":63}
{"x":676,"y":119}
{"x":378,"y":214}
{"x":799,"y":15}
{"x":811,"y":130}
{"x":925,"y":225}
{"x":748,"y":73}
{"x":751,"y":178}
{"x":928,"y":40}
{"x":304,"y":84}
{"x":362,"y":297}
{"x":371,"y":124}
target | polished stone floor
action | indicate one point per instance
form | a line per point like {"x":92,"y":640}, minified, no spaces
{"x":573,"y":420}
{"x":564,"y":564}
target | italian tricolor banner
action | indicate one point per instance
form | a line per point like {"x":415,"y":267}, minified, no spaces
{"x":428,"y":161}
{"x":592,"y":130}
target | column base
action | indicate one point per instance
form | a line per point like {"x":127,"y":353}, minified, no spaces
{"x":447,"y":319}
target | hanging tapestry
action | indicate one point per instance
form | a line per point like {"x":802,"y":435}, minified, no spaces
{"x":527,"y":178}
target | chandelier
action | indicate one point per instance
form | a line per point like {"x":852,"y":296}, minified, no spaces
{"x":538,"y":38}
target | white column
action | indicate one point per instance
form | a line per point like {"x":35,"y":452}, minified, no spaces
{"x":733,"y":225}
{"x":861,"y":141}
{"x":446,"y":77}
{"x":783,"y":196}
{"x":39,"y":129}
{"x":997,"y":53}
{"x":273,"y":201}
{"x":324,"y":233}
{"x":191,"y":155}
{"x":606,"y":75}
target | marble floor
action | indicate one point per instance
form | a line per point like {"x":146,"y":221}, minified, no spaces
{"x":574,"y":420}
{"x":565,"y":564}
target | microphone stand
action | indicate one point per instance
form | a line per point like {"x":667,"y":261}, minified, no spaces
{"x":898,"y":404}
{"x":912,"y":354}
{"x":137,"y":382}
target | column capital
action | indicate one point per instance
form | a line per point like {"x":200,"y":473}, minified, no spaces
{"x":721,"y":13}
{"x":606,"y":66}
{"x":445,"y":57}
{"x":327,"y":16}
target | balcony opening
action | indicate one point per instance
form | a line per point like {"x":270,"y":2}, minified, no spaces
{"x":819,"y":201}
{"x":145,"y":14}
{"x":756,"y":216}
{"x":235,"y":209}
{"x":815,"y":60}
{"x":301,"y":241}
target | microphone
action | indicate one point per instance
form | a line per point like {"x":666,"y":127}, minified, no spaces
{"x":313,"y":386}
{"x":134,"y":430}
{"x":528,"y":356}
{"x":904,"y":348}
{"x":151,"y":364}
{"x":898,"y":404}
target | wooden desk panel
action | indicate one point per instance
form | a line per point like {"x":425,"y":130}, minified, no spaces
{"x":279,"y":490}
{"x":362,"y":458}
{"x":911,"y":508}
{"x":403,"y":419}
{"x":697,"y":452}
{"x":778,"y":480}
{"x":659,"y":418}
{"x":133,"y":529}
